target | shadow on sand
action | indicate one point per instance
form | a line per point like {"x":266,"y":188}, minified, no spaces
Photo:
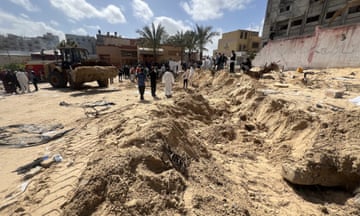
{"x":322,"y":195}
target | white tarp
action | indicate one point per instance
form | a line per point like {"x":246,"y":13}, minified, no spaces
{"x":356,"y":100}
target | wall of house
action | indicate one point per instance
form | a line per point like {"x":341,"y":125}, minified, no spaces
{"x":328,"y":47}
{"x":288,"y":18}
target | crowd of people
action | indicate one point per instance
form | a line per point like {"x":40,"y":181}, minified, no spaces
{"x":140,"y":74}
{"x":18,"y":81}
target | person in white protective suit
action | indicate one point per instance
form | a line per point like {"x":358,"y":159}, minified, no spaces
{"x":168,"y":79}
{"x":191,"y":75}
{"x":23,"y":81}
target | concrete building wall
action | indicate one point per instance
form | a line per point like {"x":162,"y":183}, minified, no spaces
{"x":240,"y":40}
{"x":117,"y":55}
{"x":8,"y":59}
{"x":328,"y":47}
{"x":13,"y":42}
{"x":119,"y":51}
{"x":290,"y":18}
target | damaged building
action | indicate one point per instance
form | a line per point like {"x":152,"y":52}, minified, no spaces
{"x":311,"y":33}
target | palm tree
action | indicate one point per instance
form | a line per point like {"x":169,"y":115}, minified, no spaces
{"x":204,"y":35}
{"x":190,"y":42}
{"x":152,"y":37}
{"x":178,"y":40}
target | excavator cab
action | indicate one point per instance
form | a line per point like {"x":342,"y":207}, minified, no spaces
{"x":72,"y":57}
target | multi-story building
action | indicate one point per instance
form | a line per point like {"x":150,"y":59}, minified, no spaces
{"x":116,"y":50}
{"x":239,"y":41}
{"x":311,"y":34}
{"x":289,"y":18}
{"x":86,"y":42}
{"x":119,"y":51}
{"x":13,"y":42}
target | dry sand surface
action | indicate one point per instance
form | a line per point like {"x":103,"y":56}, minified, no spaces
{"x":229,"y":145}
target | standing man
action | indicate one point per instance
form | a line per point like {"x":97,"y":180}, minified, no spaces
{"x":232,"y":61}
{"x":153,"y":77}
{"x":121,"y":73}
{"x":191,"y":74}
{"x":33,"y":79}
{"x":186,"y":78}
{"x":168,"y":80}
{"x":140,"y":76}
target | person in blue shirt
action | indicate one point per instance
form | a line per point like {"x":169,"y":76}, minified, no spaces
{"x":141,"y":77}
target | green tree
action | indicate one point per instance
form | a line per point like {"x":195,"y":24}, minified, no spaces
{"x":204,"y":35}
{"x":190,"y":42}
{"x":14,"y":66}
{"x":152,"y":37}
{"x":178,"y":40}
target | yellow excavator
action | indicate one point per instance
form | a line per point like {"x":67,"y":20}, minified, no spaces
{"x":73,"y":66}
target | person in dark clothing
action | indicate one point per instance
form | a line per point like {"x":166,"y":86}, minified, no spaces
{"x":10,"y":82}
{"x":33,"y":79}
{"x":232,"y":61}
{"x":141,"y":77}
{"x":120,"y":74}
{"x":153,"y":77}
{"x":126,"y":71}
{"x":247,"y":65}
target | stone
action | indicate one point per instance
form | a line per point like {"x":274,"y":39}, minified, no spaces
{"x":334,"y":93}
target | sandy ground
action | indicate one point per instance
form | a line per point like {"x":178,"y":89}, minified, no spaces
{"x":215,"y":149}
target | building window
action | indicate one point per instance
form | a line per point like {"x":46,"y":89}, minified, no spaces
{"x":314,"y":1}
{"x":246,"y":35}
{"x":105,"y":58}
{"x":329,"y":14}
{"x":255,"y":45}
{"x":313,"y":19}
{"x":284,"y":8}
{"x":354,"y":9}
{"x":128,"y":54}
{"x":296,"y":22}
{"x":241,"y":35}
{"x":283,"y":26}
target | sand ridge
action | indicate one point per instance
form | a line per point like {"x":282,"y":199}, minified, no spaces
{"x":218,"y":148}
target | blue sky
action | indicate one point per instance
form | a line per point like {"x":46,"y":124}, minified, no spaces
{"x":85,"y":17}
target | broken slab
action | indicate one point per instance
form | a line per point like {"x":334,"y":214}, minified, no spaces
{"x":334,"y":93}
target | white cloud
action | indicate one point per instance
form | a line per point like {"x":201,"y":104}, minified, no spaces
{"x":24,"y":15}
{"x":200,"y":10}
{"x":80,"y":9}
{"x":171,"y":26}
{"x":253,"y":27}
{"x":142,"y":10}
{"x":213,"y":46}
{"x":92,"y":27}
{"x":25,"y":4}
{"x":79,"y":31}
{"x":54,"y":23}
{"x":25,"y":27}
{"x":256,"y":27}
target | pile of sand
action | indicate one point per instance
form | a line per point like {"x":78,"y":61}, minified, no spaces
{"x":221,"y":148}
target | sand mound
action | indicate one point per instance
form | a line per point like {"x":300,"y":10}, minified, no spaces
{"x":148,"y":171}
{"x":231,"y":145}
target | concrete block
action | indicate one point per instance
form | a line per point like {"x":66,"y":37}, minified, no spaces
{"x":334,"y":93}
